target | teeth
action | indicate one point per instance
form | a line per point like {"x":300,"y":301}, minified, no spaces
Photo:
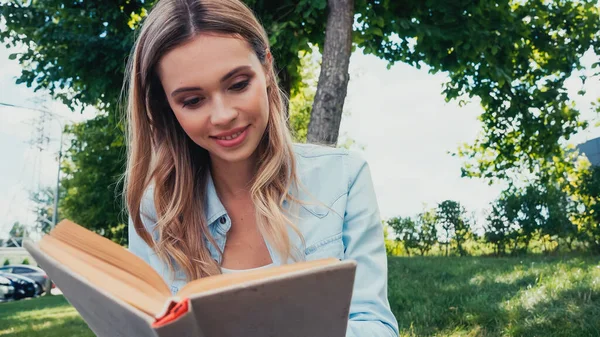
{"x":234,"y":136}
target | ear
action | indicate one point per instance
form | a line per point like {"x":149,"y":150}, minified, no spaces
{"x":269,"y":56}
{"x":268,"y":64}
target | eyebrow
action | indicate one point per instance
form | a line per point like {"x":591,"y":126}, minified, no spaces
{"x":223,"y":79}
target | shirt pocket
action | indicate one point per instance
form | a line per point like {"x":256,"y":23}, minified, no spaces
{"x":328,"y":206}
{"x":328,"y":247}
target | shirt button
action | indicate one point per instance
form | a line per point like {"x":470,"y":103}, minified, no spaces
{"x":223,"y":220}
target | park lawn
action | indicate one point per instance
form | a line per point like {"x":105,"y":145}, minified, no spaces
{"x":478,"y":296}
{"x":430,"y":296}
{"x":46,"y":316}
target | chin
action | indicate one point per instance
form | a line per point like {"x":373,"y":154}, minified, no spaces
{"x":235,"y":156}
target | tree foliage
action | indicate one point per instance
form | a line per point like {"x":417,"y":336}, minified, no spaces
{"x":514,"y":57}
{"x":78,"y":50}
{"x":539,"y":216}
{"x":93,"y":171}
{"x":426,"y":231}
{"x":498,"y":230}
{"x":17,"y":233}
{"x":589,"y":217}
{"x":539,"y":209}
{"x":406,"y":232}
{"x":75,"y":50}
{"x":451,"y":217}
{"x":303,"y":95}
{"x":43,"y":209}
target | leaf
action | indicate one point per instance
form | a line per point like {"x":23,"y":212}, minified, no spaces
{"x":376,"y":31}
{"x":320,"y":4}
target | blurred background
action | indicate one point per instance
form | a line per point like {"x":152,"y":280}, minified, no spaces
{"x":479,"y":120}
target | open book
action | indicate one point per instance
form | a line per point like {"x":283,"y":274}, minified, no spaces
{"x":119,"y":294}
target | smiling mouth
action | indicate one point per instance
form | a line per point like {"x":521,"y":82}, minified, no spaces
{"x":234,"y":136}
{"x":231,"y":136}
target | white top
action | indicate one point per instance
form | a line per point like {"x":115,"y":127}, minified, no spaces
{"x":229,"y":271}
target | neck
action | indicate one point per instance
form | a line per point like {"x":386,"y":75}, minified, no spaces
{"x":232,"y":179}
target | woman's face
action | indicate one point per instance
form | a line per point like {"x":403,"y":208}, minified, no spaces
{"x":217,"y":88}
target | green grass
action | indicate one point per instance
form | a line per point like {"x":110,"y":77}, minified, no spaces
{"x":431,"y":296}
{"x":477,"y":296}
{"x":47,"y":316}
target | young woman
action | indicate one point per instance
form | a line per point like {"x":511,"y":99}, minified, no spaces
{"x":214,"y":183}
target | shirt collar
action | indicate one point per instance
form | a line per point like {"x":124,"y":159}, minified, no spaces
{"x":214,"y":209}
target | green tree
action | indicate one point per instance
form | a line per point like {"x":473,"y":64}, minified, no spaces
{"x":537,"y":208}
{"x":462,"y":232}
{"x":18,"y":230}
{"x":426,"y":231}
{"x":498,"y":229}
{"x":505,"y":54}
{"x":16,"y":234}
{"x":77,"y":50}
{"x":589,"y":217}
{"x":406,"y":232}
{"x":529,"y":218}
{"x":43,"y":209}
{"x":502,"y":53}
{"x":303,"y":94}
{"x":451,"y":217}
{"x":558,"y":210}
{"x":94,"y":164}
{"x":390,"y":246}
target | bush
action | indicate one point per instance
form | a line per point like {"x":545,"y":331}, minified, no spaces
{"x":25,"y":261}
{"x":6,"y":262}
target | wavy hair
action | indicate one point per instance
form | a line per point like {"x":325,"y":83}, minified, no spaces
{"x":160,"y":154}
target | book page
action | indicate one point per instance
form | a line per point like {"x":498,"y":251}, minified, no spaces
{"x":110,"y":252}
{"x":105,"y":277}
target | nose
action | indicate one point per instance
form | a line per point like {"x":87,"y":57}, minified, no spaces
{"x":221,"y":113}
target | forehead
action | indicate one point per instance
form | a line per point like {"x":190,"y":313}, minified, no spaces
{"x":204,"y":59}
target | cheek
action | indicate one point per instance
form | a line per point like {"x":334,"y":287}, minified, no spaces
{"x":191,"y":123}
{"x":260,"y":102}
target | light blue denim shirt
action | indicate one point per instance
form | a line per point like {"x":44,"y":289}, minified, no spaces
{"x":341,"y":180}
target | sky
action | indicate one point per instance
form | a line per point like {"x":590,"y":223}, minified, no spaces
{"x":398,"y":116}
{"x":25,"y":167}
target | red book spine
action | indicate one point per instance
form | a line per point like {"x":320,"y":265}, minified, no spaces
{"x":172,"y":314}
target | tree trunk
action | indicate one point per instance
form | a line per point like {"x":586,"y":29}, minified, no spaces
{"x":324,"y":125}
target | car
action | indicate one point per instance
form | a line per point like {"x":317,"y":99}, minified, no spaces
{"x":23,"y":286}
{"x":6,"y":289}
{"x":32,"y":272}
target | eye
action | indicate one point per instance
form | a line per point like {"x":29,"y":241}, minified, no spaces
{"x":239,"y":86}
{"x":192,"y":101}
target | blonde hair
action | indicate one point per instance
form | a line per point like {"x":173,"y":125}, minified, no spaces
{"x":160,"y":153}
